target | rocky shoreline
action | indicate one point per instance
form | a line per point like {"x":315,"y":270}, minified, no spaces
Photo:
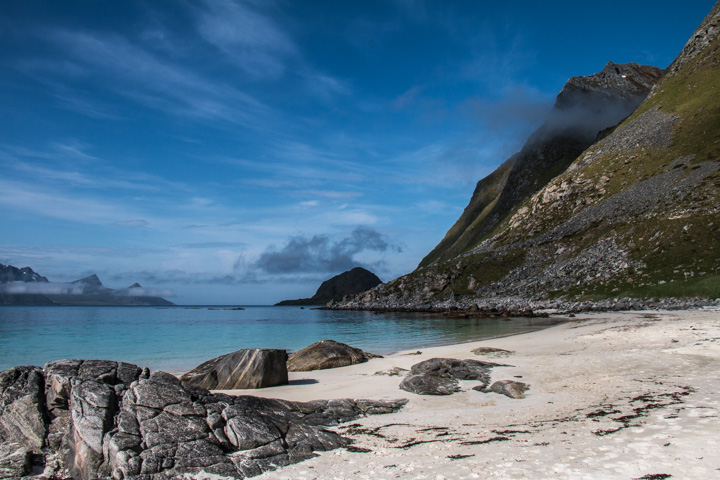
{"x":88,"y":419}
{"x":525,"y":307}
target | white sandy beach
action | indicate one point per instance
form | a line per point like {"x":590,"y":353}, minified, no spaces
{"x":612,"y":395}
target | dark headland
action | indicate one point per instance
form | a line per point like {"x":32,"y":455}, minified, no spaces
{"x":338,"y":287}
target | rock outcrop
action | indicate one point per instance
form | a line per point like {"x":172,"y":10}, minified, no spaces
{"x":89,"y":419}
{"x":439,"y":376}
{"x":338,"y":287}
{"x":326,"y":354}
{"x":245,"y":368}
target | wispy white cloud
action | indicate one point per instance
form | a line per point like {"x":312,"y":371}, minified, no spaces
{"x":408,"y":97}
{"x":333,"y":195}
{"x":253,"y":40}
{"x":157,"y":82}
{"x":138,"y":223}
{"x":324,"y":86}
{"x":438,"y":207}
{"x":58,"y":164}
{"x":75,"y":149}
{"x":22,"y":196}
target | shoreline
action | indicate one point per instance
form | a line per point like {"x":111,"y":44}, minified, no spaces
{"x":556,"y":319}
{"x":612,"y":395}
{"x":523,"y":306}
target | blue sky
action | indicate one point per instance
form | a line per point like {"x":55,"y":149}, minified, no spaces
{"x":241,"y":152}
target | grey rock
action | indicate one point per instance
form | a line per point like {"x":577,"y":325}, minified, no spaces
{"x":429,"y":385}
{"x":492,"y":352}
{"x":393,"y":372}
{"x":439,"y":376}
{"x":246,"y":368}
{"x":326,"y":354}
{"x":15,"y":460}
{"x":112,"y":420}
{"x":454,"y":368}
{"x":509,"y":388}
{"x":249,"y":431}
{"x":92,"y":406}
{"x":60,"y":372}
{"x":228,"y":436}
{"x":22,"y":407}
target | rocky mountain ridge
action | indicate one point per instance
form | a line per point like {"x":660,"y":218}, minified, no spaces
{"x":585,"y":107}
{"x":633,"y":217}
{"x":26,"y":287}
{"x":8,"y":273}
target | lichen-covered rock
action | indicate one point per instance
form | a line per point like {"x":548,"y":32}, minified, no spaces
{"x":245,"y":368}
{"x":326,"y":354}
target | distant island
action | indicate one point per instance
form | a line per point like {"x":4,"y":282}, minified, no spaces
{"x":23,"y":286}
{"x":352,"y":282}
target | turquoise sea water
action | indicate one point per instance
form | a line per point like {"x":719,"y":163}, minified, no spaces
{"x":180,"y":338}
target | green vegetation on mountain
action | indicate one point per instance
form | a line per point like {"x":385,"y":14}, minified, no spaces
{"x":635,"y":213}
{"x":585,"y":107}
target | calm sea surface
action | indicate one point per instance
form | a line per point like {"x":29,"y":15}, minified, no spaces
{"x":180,"y":338}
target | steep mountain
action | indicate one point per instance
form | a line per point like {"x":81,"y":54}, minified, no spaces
{"x":25,"y":287}
{"x":335,"y":289}
{"x":584,"y":107}
{"x":8,"y":273}
{"x":89,"y":283}
{"x":635,"y":215}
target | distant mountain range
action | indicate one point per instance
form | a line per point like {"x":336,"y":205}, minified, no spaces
{"x":338,"y":287}
{"x":616,"y":195}
{"x":23,"y":286}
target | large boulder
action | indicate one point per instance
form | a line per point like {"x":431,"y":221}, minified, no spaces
{"x":246,"y":368}
{"x":326,"y":354}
